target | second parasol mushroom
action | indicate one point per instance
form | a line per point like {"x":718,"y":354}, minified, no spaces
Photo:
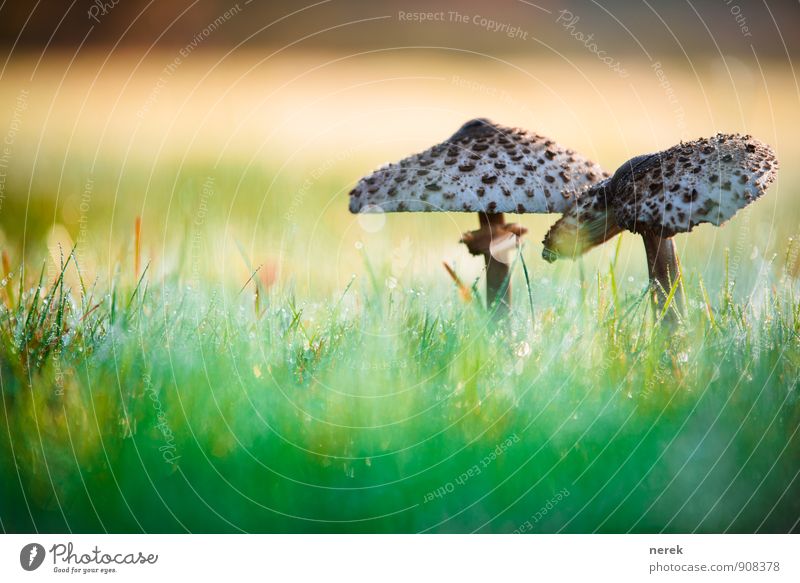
{"x":486,"y":169}
{"x":663,"y":194}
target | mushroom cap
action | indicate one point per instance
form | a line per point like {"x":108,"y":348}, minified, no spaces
{"x":483,"y":167}
{"x":705,"y":181}
{"x":586,"y":224}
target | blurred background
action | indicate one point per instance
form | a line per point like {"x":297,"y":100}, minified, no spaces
{"x":236,"y":129}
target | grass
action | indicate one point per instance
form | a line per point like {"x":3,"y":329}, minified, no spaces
{"x":147,"y":406}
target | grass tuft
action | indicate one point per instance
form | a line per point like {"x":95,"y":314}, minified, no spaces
{"x":317,"y":417}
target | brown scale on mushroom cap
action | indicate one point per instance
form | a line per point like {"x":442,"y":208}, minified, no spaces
{"x":484,"y":167}
{"x":705,"y":181}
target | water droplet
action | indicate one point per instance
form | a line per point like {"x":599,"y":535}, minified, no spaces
{"x":372,"y":218}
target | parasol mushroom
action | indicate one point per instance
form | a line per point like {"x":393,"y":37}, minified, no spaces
{"x":486,"y":169}
{"x":663,"y":194}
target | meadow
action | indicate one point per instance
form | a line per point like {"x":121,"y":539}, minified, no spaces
{"x":196,"y":336}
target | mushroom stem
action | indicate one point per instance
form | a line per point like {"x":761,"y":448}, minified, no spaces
{"x":663,"y":269}
{"x":494,"y":232}
{"x":496,"y":270}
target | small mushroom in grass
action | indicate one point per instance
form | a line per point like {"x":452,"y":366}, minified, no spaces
{"x":660,"y":195}
{"x":486,"y":169}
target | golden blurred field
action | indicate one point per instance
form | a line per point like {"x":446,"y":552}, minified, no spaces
{"x":283,"y":137}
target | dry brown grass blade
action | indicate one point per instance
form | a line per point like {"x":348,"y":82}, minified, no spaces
{"x":463,"y":290}
{"x":6,"y":276}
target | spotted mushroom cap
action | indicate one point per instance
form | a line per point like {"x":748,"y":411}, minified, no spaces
{"x":705,"y":181}
{"x":482,"y":167}
{"x":588,"y":223}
